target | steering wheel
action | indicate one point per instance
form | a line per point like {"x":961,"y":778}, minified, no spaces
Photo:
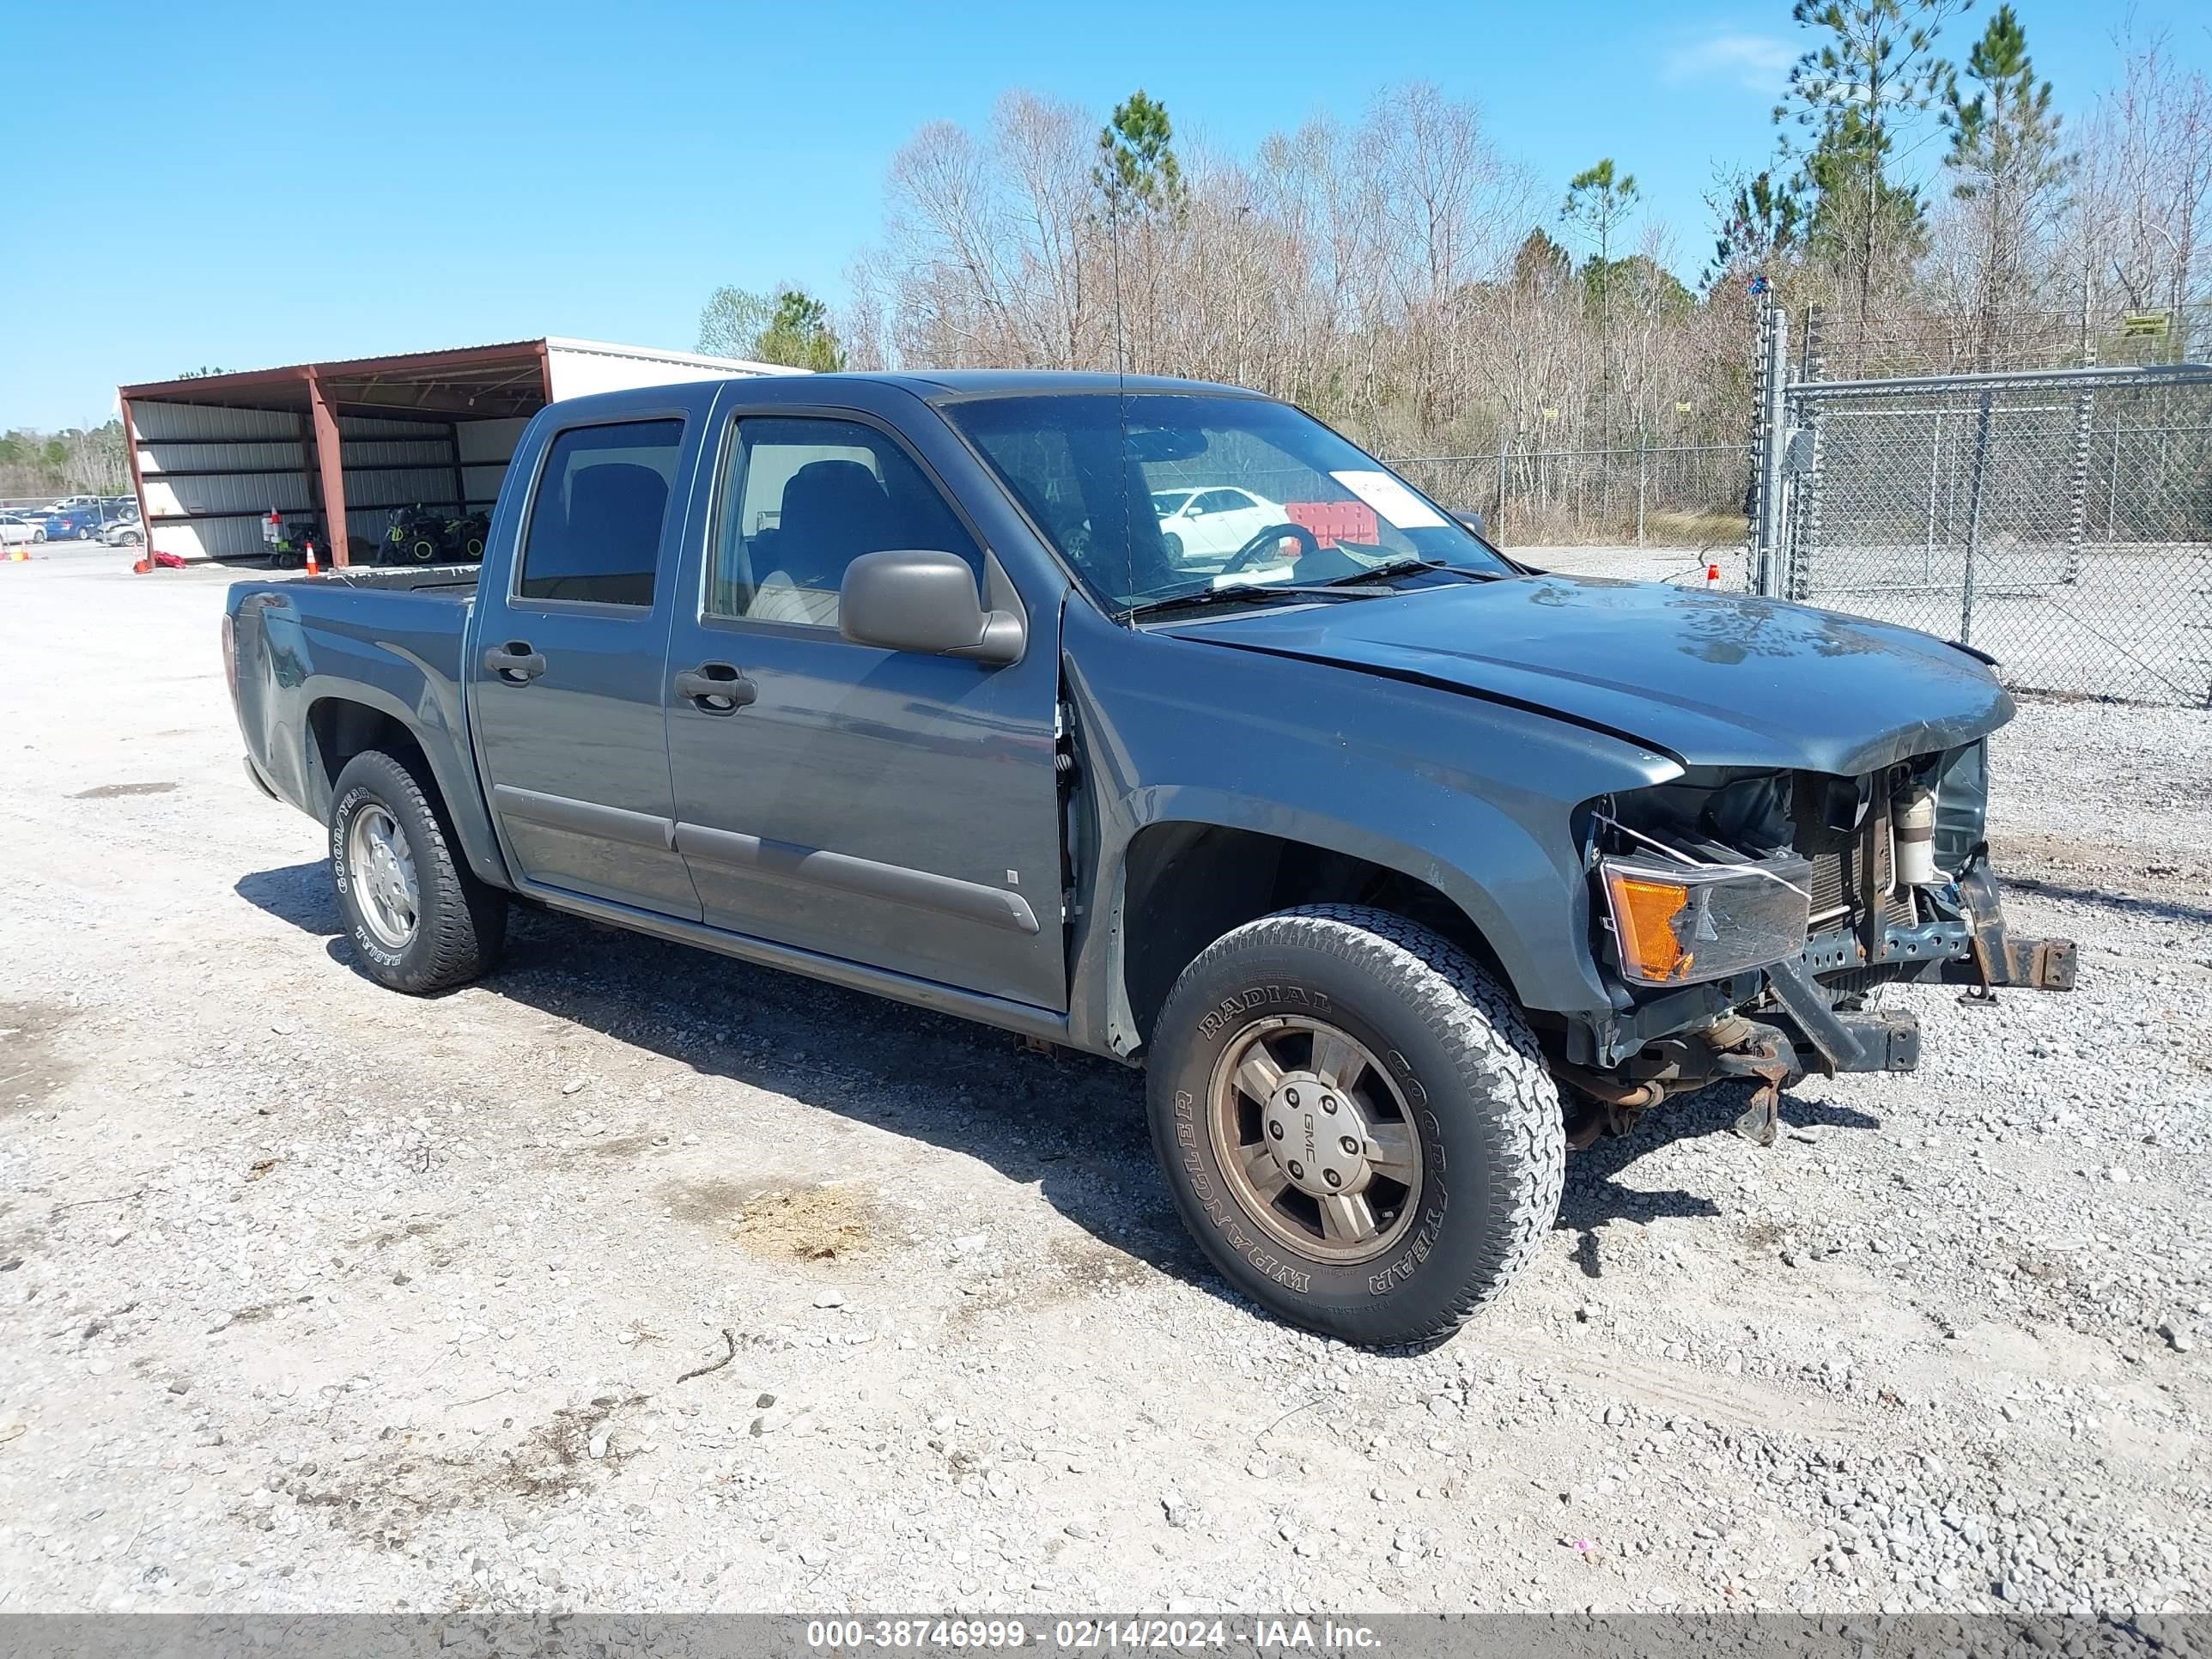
{"x":1245,"y":557}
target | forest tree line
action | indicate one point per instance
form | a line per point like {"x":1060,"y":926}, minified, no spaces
{"x":1405,"y":276}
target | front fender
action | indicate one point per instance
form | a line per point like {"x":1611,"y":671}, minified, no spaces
{"x":1474,"y":799}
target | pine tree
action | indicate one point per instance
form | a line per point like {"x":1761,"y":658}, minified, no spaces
{"x":2005,"y":160}
{"x":1760,"y":222}
{"x":1599,"y":200}
{"x":1876,"y":67}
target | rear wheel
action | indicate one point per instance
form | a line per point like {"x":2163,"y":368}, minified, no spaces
{"x":1355,"y":1122}
{"x":420,"y":918}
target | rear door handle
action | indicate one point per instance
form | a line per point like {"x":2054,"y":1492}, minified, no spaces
{"x":715,"y":687}
{"x":514,"y":662}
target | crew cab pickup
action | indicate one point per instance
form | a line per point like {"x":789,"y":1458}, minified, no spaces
{"x":1401,"y":866}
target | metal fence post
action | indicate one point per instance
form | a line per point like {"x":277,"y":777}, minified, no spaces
{"x":1934,"y":471}
{"x":1974,"y":519}
{"x":2078,"y":487}
{"x":2112,"y":489}
{"x":1499,"y":523}
{"x":1766,"y":473}
{"x":1642,"y":481}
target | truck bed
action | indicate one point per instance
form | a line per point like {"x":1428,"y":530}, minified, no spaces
{"x":372,"y":642}
{"x":406,"y":578}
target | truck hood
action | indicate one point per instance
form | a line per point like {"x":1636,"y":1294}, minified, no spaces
{"x":1710,"y":679}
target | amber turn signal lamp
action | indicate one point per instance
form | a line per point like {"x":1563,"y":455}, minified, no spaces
{"x":1643,"y":913}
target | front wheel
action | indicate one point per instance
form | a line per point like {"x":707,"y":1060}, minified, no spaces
{"x":420,"y":918}
{"x":1355,"y":1122}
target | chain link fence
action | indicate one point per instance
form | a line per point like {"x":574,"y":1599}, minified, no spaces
{"x":2060,"y":520}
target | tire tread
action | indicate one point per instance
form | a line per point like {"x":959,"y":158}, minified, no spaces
{"x":1471,"y":1016}
{"x":471,"y":914}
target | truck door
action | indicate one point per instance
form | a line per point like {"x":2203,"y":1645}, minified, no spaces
{"x":569,"y":676}
{"x":889,"y":808}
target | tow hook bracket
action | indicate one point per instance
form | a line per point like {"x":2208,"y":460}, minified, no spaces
{"x":1761,"y":1123}
{"x":1770,"y":1057}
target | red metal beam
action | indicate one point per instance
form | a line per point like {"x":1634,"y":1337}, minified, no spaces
{"x":145,"y":561}
{"x":330,"y":456}
{"x":460,"y":478}
{"x":217,"y":388}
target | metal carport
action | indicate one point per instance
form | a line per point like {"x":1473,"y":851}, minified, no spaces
{"x":349,"y":441}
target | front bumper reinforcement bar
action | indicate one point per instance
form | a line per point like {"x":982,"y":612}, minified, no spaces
{"x":2001,"y":957}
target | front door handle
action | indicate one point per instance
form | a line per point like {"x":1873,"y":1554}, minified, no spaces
{"x":514,"y":662}
{"x":715,"y":687}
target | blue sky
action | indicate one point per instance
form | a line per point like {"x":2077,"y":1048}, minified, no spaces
{"x":240,"y":185}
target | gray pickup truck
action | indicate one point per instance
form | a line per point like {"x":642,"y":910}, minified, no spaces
{"x":1155,"y":719}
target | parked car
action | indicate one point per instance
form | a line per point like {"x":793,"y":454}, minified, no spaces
{"x":76,"y":524}
{"x":1210,"y":524}
{"x":16,"y":528}
{"x":124,"y":531}
{"x":1397,"y":878}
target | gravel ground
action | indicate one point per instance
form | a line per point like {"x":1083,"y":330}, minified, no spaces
{"x":315,"y":1298}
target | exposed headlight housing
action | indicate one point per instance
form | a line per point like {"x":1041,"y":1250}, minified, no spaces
{"x":1677,"y":924}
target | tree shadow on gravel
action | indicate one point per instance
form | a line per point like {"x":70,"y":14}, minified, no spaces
{"x":1074,"y":1125}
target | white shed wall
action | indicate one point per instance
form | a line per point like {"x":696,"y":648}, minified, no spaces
{"x":241,"y":462}
{"x":579,"y":367}
{"x":248,"y":461}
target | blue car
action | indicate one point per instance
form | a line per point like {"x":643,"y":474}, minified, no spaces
{"x":77,"y":524}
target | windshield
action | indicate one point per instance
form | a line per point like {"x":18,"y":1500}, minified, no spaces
{"x":1158,"y":495}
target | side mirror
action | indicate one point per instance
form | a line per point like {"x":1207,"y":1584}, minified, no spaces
{"x":910,"y":599}
{"x":1469,"y":519}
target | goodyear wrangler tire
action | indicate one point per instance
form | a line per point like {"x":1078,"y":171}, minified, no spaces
{"x":420,"y":920}
{"x":1355,"y":1122}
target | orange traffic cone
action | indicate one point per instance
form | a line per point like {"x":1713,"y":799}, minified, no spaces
{"x":314,"y":570}
{"x":19,"y":554}
{"x":1712,"y":575}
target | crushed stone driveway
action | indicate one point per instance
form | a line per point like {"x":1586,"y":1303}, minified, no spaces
{"x":634,"y":1278}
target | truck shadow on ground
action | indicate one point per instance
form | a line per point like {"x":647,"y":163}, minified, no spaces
{"x":1594,"y":1196}
{"x":1072,"y":1124}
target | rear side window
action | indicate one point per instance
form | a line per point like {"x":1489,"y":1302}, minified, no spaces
{"x":602,"y":503}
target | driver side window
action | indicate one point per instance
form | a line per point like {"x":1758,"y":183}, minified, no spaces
{"x":801,"y":498}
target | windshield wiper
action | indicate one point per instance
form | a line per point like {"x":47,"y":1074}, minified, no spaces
{"x":1243,"y":592}
{"x":1413,"y":567}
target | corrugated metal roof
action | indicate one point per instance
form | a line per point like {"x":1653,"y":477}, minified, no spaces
{"x":654,"y":354}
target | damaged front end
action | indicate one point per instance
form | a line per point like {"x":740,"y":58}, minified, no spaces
{"x":1749,"y":918}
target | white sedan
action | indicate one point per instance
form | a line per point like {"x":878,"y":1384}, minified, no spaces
{"x":14,"y":527}
{"x":1206,"y":526}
